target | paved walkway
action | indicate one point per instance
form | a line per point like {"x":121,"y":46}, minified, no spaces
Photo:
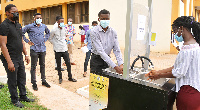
{"x":57,"y":98}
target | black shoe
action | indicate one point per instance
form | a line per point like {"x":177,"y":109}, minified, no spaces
{"x":1,"y":86}
{"x":60,"y":81}
{"x":18,"y":104}
{"x":46,"y":84}
{"x":35,"y":88}
{"x":62,"y":69}
{"x":27,"y":100}
{"x":72,"y":79}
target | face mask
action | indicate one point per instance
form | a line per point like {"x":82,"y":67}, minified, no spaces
{"x":70,"y":23}
{"x":38,"y":21}
{"x":104,"y":23}
{"x":15,"y":16}
{"x":62,"y":25}
{"x":179,"y":39}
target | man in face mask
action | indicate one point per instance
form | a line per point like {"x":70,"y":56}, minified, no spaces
{"x":57,"y":38}
{"x":37,"y":41}
{"x":87,"y":42}
{"x":70,"y":34}
{"x":104,"y":40}
{"x":12,"y":46}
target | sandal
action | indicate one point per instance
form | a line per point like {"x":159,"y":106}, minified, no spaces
{"x":85,"y":74}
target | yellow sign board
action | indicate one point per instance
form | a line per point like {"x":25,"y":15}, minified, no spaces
{"x":153,"y":37}
{"x":98,"y":92}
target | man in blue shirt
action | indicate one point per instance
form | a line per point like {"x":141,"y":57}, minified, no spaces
{"x":87,"y":42}
{"x":38,"y":49}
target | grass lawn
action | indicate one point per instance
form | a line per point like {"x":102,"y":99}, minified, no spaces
{"x":5,"y":101}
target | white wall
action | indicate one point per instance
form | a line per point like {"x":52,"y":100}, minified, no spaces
{"x":117,"y":10}
{"x":161,"y":23}
{"x":161,"y":19}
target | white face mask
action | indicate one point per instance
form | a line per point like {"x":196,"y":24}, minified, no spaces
{"x":104,"y":23}
{"x":38,"y":21}
{"x":69,"y":23}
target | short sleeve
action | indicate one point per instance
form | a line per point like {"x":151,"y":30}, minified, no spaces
{"x":4,"y":30}
{"x":182,"y":63}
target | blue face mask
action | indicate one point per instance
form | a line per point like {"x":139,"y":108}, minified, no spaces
{"x":38,"y":21}
{"x":104,"y":23}
{"x":179,"y":39}
{"x":62,"y":25}
{"x":69,"y":23}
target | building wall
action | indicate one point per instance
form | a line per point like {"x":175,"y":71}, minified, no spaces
{"x":117,"y":16}
{"x":26,"y":5}
{"x":118,"y":19}
{"x":161,"y":23}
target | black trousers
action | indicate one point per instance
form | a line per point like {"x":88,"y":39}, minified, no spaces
{"x":65,"y":56}
{"x":97,"y":64}
{"x":87,"y":58}
{"x":16,"y":78}
{"x":34,"y":58}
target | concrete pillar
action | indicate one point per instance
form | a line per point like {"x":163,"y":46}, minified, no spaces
{"x":191,"y":8}
{"x":193,"y":13}
{"x":175,"y":15}
{"x":20,"y":17}
{"x":39,"y":10}
{"x":64,"y":12}
{"x":186,"y":7}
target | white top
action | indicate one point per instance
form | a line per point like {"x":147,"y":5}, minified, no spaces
{"x":104,"y":42}
{"x":187,"y":67}
{"x":82,"y":32}
{"x":57,"y":38}
{"x":55,"y":25}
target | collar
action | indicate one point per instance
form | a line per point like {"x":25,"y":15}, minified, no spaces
{"x":191,"y":46}
{"x":9,"y":21}
{"x":101,"y":29}
{"x":70,"y":25}
{"x":36,"y":24}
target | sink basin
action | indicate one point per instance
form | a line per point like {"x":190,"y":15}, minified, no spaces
{"x":141,"y":79}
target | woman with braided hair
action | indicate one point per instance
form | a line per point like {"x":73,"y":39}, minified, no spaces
{"x":186,"y":69}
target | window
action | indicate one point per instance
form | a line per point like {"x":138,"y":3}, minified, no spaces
{"x":85,"y":12}
{"x":8,"y":0}
{"x":71,"y":11}
{"x":79,"y":12}
{"x":49,"y":14}
{"x":27,"y":17}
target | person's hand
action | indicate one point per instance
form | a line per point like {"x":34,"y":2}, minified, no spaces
{"x":121,"y":66}
{"x":153,"y":75}
{"x":67,"y":38}
{"x":11,"y":66}
{"x":84,"y":45}
{"x":27,"y":60}
{"x":30,"y":43}
{"x":118,"y":69}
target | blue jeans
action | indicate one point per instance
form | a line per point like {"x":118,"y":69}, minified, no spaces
{"x":88,"y":54}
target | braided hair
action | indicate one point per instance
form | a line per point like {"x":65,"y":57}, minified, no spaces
{"x":191,"y":25}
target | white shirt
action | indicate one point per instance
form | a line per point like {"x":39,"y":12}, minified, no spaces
{"x":104,"y":42}
{"x":187,"y":67}
{"x":55,"y":25}
{"x":82,"y":32}
{"x":57,"y":38}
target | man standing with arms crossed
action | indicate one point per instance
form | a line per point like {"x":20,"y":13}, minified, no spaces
{"x":38,"y":49}
{"x":12,"y":46}
{"x":104,"y":40}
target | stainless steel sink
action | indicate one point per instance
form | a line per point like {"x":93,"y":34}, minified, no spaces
{"x":137,"y":75}
{"x":141,"y":79}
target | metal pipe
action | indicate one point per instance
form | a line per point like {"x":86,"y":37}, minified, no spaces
{"x":150,"y":4}
{"x":128,"y":35}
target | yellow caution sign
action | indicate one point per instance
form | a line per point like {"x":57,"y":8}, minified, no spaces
{"x":98,"y":92}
